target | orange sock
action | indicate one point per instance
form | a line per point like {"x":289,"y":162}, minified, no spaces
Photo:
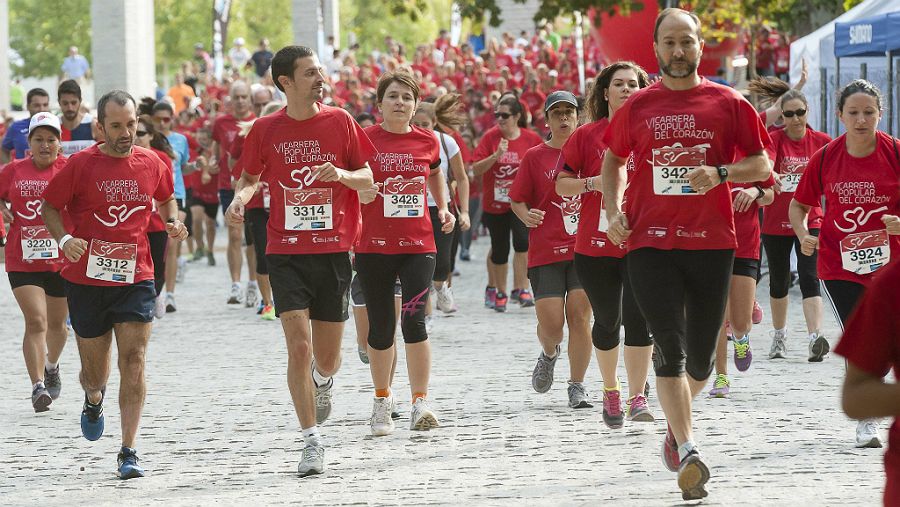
{"x":416,"y":396}
{"x":382,"y":393}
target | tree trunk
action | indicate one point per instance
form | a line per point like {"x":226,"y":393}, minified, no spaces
{"x":221,"y":12}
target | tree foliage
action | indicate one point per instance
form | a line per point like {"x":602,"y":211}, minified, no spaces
{"x":41,"y":37}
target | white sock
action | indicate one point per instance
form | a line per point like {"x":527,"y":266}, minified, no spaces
{"x":311,"y":433}
{"x":318,"y":378}
{"x":252,"y":285}
{"x":686,"y":448}
{"x":39,"y":383}
{"x":813,"y":336}
{"x":50,"y":366}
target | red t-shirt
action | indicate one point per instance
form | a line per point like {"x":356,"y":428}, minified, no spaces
{"x":261,"y":199}
{"x":109,"y":200}
{"x":871,"y":342}
{"x":746,"y":223}
{"x":790,"y":159}
{"x":535,"y":185}
{"x":156,"y":221}
{"x":853,"y":242}
{"x":583,"y":153}
{"x":308,"y":216}
{"x":670,"y":132}
{"x":498,"y":179}
{"x":397,"y":221}
{"x":225,"y":130}
{"x":21,"y":185}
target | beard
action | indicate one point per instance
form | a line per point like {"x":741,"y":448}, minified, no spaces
{"x":689,"y":68}
{"x":70,"y":115}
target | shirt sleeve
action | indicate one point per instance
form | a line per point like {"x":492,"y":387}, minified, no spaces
{"x":809,"y":189}
{"x":5,"y":178}
{"x":752,"y":136}
{"x":571,"y":153}
{"x":8,"y":140}
{"x":452,"y":145}
{"x":166,"y":186}
{"x":617,"y":136}
{"x":522,"y":187}
{"x":251,"y":159}
{"x":61,"y":189}
{"x":870,"y":338}
{"x":485,"y":148}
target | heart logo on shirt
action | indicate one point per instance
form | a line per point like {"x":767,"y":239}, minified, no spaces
{"x":119,"y":214}
{"x":34,"y":209}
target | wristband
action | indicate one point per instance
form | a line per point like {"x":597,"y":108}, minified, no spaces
{"x":170,"y":220}
{"x":63,"y":240}
{"x":723,"y":173}
{"x":589,"y":184}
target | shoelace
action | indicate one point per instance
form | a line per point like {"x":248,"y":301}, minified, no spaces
{"x":312,"y":453}
{"x":322,"y":396}
{"x":721,"y":381}
{"x":612,"y":402}
{"x":578,"y":388}
{"x":740,"y":349}
{"x":382,"y":412}
{"x":638,"y":402}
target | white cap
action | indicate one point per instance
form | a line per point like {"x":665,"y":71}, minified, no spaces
{"x":239,"y":41}
{"x":44,"y":119}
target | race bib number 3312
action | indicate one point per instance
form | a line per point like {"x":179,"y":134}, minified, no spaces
{"x":112,"y":262}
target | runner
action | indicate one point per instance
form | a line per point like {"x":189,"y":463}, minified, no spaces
{"x":16,"y":137}
{"x":109,"y":277}
{"x":77,"y":133}
{"x":33,"y":261}
{"x":679,"y":225}
{"x":497,"y":159}
{"x":313,"y":223}
{"x":553,"y":222}
{"x":204,"y":200}
{"x":857,"y":176}
{"x":600,"y":265}
{"x":397,"y":242}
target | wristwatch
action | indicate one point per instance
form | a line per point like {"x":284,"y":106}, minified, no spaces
{"x":723,"y":173}
{"x":760,"y":192}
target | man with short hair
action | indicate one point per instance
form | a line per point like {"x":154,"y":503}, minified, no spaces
{"x":76,"y":123}
{"x":262,"y":58}
{"x":238,"y":55}
{"x":75,"y":66}
{"x":107,"y":190}
{"x":16,"y":138}
{"x":260,"y":96}
{"x":314,"y":158}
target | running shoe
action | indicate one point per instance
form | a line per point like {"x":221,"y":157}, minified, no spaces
{"x":636,"y":409}
{"x":41,"y":399}
{"x":395,"y":414}
{"x":252,"y":297}
{"x":500,"y":302}
{"x":526,"y":300}
{"x":743,"y":356}
{"x":612,"y":408}
{"x":514,"y":295}
{"x":170,"y":303}
{"x":312,"y":461}
{"x":779,"y":345}
{"x":490,"y":297}
{"x":234,"y":298}
{"x":182,"y":270}
{"x":578,"y":396}
{"x":670,"y":457}
{"x":758,"y":313}
{"x":867,"y":434}
{"x":159,"y":309}
{"x":363,"y":355}
{"x":268,"y":313}
{"x":381,"y":421}
{"x":445,"y":299}
{"x":693,"y":474}
{"x":92,"y":418}
{"x":464,"y":255}
{"x":128,"y":464}
{"x":323,"y":401}
{"x":818,"y":348}
{"x":198,"y":254}
{"x":210,"y":259}
{"x":721,"y":386}
{"x":429,"y":324}
{"x":421,"y":417}
{"x":53,"y":382}
{"x":542,"y":376}
{"x":260,"y":306}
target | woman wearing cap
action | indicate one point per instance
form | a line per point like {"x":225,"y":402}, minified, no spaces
{"x":600,"y":264}
{"x":33,"y":259}
{"x":552,"y":223}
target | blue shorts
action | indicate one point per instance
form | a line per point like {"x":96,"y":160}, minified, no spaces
{"x":95,"y":309}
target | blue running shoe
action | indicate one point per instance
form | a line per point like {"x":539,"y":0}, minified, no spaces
{"x":92,"y":418}
{"x":128,"y":464}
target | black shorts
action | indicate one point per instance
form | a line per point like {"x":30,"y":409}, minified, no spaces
{"x":211,"y":209}
{"x":95,"y":309}
{"x":318,"y":282}
{"x":745,"y":267}
{"x":553,"y":280}
{"x":356,"y":293}
{"x":51,"y":281}
{"x":225,"y":198}
{"x":180,"y":203}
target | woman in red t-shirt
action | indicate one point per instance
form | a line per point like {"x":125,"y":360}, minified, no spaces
{"x":33,"y":259}
{"x":396,"y":241}
{"x":497,"y":160}
{"x":858,"y":175}
{"x":600,"y":264}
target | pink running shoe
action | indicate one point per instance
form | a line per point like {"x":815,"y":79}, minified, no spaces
{"x":638,"y":410}
{"x":612,"y":408}
{"x":757,"y":313}
{"x":670,"y":451}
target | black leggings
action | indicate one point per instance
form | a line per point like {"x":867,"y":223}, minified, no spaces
{"x":605,"y":280}
{"x":844,"y":296}
{"x":682,"y":295}
{"x":378,"y":273}
{"x":500,"y":227}
{"x":258,"y":220}
{"x":158,"y":243}
{"x":778,"y":251}
{"x":444,"y":244}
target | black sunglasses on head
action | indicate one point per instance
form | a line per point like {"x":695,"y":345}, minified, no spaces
{"x":505,"y":116}
{"x":142,"y":133}
{"x":790,"y":114}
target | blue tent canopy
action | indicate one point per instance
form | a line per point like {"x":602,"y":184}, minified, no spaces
{"x":873,"y":36}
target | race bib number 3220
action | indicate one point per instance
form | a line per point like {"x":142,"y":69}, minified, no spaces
{"x":38,"y":244}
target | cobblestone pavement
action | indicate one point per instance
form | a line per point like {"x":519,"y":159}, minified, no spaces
{"x":219,"y":427}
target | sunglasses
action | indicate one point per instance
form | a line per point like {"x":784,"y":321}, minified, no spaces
{"x":505,"y":116}
{"x":790,"y":114}
{"x":142,"y":133}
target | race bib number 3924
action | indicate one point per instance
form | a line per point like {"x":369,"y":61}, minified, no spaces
{"x":865,"y":252}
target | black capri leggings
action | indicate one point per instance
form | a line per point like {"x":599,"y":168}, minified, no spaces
{"x":682,"y":295}
{"x":778,"y":251}
{"x":500,"y":227}
{"x":158,"y":243}
{"x":378,"y":273}
{"x":605,"y":280}
{"x":844,"y":296}
{"x":444,"y":244}
{"x":258,"y":220}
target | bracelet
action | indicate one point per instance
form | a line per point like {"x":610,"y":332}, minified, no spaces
{"x":170,"y":220}
{"x":589,"y":184}
{"x":760,"y":192}
{"x":63,"y":240}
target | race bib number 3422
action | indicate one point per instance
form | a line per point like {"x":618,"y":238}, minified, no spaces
{"x":671,"y":167}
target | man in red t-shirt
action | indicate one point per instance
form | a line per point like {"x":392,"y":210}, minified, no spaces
{"x":314,"y":158}
{"x":108,"y":191}
{"x":687,"y":136}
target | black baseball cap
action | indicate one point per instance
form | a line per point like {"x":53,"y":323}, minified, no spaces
{"x":560,"y":96}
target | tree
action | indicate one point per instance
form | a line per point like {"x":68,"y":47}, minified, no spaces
{"x":41,"y":38}
{"x":548,"y":9}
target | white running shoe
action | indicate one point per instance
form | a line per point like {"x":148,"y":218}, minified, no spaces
{"x":421,"y":417}
{"x":234,"y":298}
{"x":170,"y":303}
{"x":444,"y":301}
{"x":429,"y":324}
{"x":182,"y":269}
{"x":159,"y":310}
{"x":252,"y":298}
{"x":381,"y":421}
{"x":867,"y":433}
{"x":312,"y":461}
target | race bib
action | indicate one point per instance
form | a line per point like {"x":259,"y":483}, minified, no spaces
{"x":865,"y":252}
{"x":267,"y":197}
{"x":404,"y":198}
{"x":570,"y":222}
{"x":38,"y":244}
{"x":307,"y":209}
{"x":603,"y":224}
{"x":790,"y":181}
{"x":570,"y":209}
{"x":112,"y":262}
{"x":670,"y":169}
{"x":501,"y":190}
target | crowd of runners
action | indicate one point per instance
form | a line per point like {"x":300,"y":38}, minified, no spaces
{"x":647,"y":204}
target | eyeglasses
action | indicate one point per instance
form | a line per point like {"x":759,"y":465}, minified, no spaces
{"x":790,"y":114}
{"x":142,"y":133}
{"x":505,"y":116}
